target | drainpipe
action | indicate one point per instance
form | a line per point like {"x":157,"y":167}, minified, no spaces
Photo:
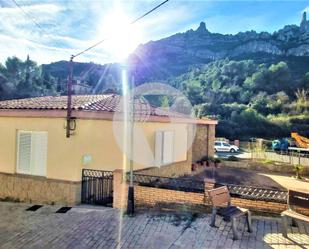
{"x":208,"y":139}
{"x":69,"y":103}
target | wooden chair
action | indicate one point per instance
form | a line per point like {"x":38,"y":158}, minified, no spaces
{"x":221,"y":204}
{"x":299,"y":199}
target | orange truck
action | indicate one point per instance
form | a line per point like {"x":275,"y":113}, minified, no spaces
{"x":301,"y":142}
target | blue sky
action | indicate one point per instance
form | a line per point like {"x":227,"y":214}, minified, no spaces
{"x":71,"y":26}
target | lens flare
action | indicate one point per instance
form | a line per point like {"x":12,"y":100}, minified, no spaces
{"x":123,"y":37}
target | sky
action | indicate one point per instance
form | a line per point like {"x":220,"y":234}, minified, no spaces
{"x":52,"y":30}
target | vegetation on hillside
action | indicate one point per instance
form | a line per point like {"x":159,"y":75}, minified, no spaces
{"x":22,"y":79}
{"x":248,"y":99}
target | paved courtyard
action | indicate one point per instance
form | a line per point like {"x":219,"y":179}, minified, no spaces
{"x":86,"y":227}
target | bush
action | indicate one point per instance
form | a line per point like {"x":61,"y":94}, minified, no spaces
{"x":298,"y":169}
{"x":268,"y":161}
{"x":207,"y":158}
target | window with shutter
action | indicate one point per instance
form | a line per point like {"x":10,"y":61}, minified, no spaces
{"x":32,"y":153}
{"x":158,"y":148}
{"x":39,"y":153}
{"x":168,"y":145}
{"x":24,"y":152}
{"x":164,"y":145}
{"x":181,"y":144}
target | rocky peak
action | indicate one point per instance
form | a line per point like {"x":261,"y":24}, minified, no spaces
{"x":202,"y":28}
{"x":304,"y":17}
{"x":304,"y":25}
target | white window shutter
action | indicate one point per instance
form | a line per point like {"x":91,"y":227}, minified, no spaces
{"x":39,"y":153}
{"x":168,"y":142}
{"x":24,"y":152}
{"x":158,"y":148}
{"x":181,"y":145}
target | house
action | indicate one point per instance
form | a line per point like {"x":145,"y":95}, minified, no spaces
{"x":38,"y":163}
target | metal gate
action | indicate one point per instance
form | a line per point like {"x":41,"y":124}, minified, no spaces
{"x":97,"y":187}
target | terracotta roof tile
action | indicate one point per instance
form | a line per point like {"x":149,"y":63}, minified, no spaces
{"x":50,"y":103}
{"x":99,"y":103}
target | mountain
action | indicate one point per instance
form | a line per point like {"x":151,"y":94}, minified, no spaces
{"x":255,"y":84}
{"x":174,"y":55}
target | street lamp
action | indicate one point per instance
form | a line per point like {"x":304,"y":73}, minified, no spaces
{"x":131,"y":62}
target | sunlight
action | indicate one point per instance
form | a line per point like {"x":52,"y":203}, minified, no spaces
{"x":123,"y":37}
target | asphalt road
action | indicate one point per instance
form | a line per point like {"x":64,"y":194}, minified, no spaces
{"x":240,"y":154}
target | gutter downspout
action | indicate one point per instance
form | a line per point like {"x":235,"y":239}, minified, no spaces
{"x":69,"y":103}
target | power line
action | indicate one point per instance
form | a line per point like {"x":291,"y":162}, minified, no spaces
{"x":42,"y":30}
{"x":131,"y":23}
{"x":30,"y":17}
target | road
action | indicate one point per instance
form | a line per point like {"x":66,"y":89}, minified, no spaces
{"x":241,"y":154}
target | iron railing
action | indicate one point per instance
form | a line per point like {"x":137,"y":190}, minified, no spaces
{"x":190,"y":185}
{"x":256,"y":193}
{"x":97,"y":187}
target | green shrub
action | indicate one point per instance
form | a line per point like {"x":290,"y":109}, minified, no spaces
{"x":208,"y":158}
{"x":268,"y":161}
{"x":298,"y":169}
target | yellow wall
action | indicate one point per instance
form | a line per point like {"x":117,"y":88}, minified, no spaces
{"x":64,"y":155}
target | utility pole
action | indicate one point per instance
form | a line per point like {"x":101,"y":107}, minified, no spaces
{"x":130,"y":204}
{"x":70,"y":77}
{"x":69,"y":103}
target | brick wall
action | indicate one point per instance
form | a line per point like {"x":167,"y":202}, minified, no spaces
{"x":35,"y":189}
{"x":173,"y":199}
{"x":120,"y":189}
{"x":169,"y":199}
{"x":203,"y":142}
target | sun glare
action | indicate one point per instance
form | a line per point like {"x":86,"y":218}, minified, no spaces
{"x":123,"y":37}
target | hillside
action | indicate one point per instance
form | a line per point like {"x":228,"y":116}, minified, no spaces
{"x":174,"y":55}
{"x":255,"y":84}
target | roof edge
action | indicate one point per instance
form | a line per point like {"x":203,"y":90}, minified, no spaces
{"x":81,"y":114}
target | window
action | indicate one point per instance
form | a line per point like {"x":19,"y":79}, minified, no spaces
{"x":217,"y":143}
{"x":164,"y":147}
{"x":171,"y":146}
{"x":226,"y":145}
{"x":31,"y":152}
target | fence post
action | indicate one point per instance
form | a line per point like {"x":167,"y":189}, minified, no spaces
{"x":120,"y":189}
{"x":209,"y":184}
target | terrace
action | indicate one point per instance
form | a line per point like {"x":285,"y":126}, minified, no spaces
{"x":89,"y":227}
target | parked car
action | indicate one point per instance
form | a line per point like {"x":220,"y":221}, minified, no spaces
{"x":221,"y":146}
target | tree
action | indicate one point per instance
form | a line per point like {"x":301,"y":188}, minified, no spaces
{"x":21,"y":79}
{"x":194,"y":91}
{"x":271,"y":80}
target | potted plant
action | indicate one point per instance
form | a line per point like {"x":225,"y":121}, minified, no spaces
{"x":298,"y":169}
{"x":211,"y":162}
{"x":194,"y":166}
{"x":217,"y":162}
{"x":204,"y":161}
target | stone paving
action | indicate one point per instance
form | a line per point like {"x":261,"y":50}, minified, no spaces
{"x":88,"y":227}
